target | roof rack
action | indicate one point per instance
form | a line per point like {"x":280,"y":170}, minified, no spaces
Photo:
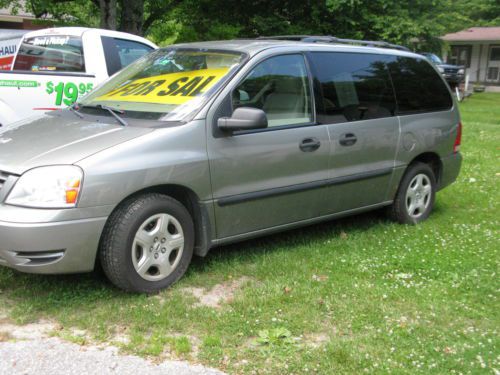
{"x":332,"y":39}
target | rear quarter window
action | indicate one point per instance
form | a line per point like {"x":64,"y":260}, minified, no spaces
{"x":419,"y":88}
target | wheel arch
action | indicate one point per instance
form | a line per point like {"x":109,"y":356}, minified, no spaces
{"x":433,"y":160}
{"x":190,"y":200}
{"x":430,"y":158}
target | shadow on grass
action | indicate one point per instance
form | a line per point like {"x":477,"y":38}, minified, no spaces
{"x":248,"y":249}
{"x":43,"y":294}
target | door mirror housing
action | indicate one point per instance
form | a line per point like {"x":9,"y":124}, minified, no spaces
{"x":244,"y":118}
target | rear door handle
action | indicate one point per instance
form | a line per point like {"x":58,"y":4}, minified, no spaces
{"x":309,"y":144}
{"x":348,"y":139}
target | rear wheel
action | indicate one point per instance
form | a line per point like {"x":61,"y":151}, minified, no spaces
{"x":416,"y":194}
{"x":147,"y":244}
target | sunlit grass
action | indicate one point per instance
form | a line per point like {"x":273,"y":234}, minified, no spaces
{"x":360,"y":294}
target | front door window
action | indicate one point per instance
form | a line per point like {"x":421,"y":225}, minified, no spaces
{"x":280,"y":87}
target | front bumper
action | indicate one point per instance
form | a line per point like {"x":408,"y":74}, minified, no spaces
{"x":453,"y":78}
{"x":51,"y":248}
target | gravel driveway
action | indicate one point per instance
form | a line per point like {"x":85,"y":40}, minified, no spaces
{"x":28,"y":350}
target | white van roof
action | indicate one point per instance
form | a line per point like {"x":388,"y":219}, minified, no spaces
{"x":6,"y":34}
{"x":79,"y":31}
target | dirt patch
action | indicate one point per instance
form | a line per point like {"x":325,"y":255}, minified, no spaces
{"x":316,"y":340}
{"x":30,"y":331}
{"x":219,"y":294}
{"x":5,"y":336}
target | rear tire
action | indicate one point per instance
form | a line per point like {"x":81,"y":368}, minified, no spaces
{"x":147,"y":243}
{"x":415,"y":196}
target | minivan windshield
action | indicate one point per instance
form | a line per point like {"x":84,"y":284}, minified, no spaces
{"x":168,"y":84}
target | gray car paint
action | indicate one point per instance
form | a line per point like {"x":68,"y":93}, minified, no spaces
{"x":58,"y":140}
{"x":121,"y":161}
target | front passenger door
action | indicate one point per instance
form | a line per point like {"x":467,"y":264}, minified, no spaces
{"x":269,"y":177}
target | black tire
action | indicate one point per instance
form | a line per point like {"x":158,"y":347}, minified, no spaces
{"x":115,"y":250}
{"x":398,"y":211}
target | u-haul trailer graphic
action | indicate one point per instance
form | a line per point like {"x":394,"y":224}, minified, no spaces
{"x":9,"y":40}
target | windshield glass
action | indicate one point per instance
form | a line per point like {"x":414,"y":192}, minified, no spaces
{"x":433,"y":58}
{"x":167,"y":84}
{"x":57,"y":53}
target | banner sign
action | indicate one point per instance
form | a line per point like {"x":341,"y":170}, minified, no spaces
{"x":173,"y":88}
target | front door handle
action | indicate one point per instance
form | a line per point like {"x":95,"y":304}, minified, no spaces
{"x":309,"y":144}
{"x":348,"y":139}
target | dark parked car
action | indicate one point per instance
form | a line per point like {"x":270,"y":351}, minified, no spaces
{"x":453,"y":74}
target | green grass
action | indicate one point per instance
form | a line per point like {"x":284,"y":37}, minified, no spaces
{"x":356,"y":295}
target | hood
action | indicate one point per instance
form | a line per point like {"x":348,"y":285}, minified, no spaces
{"x":52,"y":139}
{"x":449,"y":66}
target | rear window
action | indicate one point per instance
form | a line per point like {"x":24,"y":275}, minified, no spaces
{"x":51,"y":53}
{"x":354,"y":87}
{"x":419,"y":88}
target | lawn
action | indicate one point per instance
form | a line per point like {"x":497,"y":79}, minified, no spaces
{"x":356,"y":295}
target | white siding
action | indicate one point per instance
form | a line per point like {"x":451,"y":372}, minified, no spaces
{"x":479,"y":59}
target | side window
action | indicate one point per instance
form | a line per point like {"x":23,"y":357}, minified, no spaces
{"x":355,"y":87}
{"x":129,"y":51}
{"x":419,"y":88}
{"x":120,"y":52}
{"x":280,"y":87}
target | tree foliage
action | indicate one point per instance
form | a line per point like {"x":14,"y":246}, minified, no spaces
{"x":417,"y":23}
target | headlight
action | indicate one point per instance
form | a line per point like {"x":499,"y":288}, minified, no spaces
{"x":47,"y":187}
{"x":441,"y":70}
{"x":461,"y":71}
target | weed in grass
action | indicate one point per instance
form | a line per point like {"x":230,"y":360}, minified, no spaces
{"x":275,"y":336}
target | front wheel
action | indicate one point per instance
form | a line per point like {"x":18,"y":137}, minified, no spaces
{"x":416,"y":194}
{"x":147,"y":244}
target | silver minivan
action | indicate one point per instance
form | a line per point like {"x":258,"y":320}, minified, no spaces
{"x":203,"y":144}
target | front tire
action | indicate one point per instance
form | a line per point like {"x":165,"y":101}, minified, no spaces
{"x":147,"y":243}
{"x":415,"y":196}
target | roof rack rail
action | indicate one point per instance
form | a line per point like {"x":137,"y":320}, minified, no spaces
{"x":332,"y":39}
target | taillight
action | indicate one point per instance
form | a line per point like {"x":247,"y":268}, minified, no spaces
{"x":458,"y":139}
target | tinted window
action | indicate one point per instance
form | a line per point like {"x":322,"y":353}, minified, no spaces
{"x":419,"y":88}
{"x":354,"y":87}
{"x":51,"y":53}
{"x":280,"y":87}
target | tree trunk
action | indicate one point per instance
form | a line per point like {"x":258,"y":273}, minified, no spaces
{"x":108,"y":14}
{"x":132,"y":16}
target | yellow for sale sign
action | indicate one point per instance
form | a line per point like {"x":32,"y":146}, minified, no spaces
{"x":173,"y":88}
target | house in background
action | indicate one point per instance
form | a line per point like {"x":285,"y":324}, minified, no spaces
{"x":478,"y":49}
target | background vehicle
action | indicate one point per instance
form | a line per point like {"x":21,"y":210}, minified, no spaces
{"x":9,"y":40}
{"x":453,"y":74}
{"x":210,"y":143}
{"x":53,"y":68}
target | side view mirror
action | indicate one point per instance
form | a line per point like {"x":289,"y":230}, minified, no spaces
{"x":244,"y":118}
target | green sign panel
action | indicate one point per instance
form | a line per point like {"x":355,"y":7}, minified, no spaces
{"x":18,"y":83}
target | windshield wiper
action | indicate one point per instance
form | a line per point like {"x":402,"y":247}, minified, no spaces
{"x":113,"y":111}
{"x":74,"y":108}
